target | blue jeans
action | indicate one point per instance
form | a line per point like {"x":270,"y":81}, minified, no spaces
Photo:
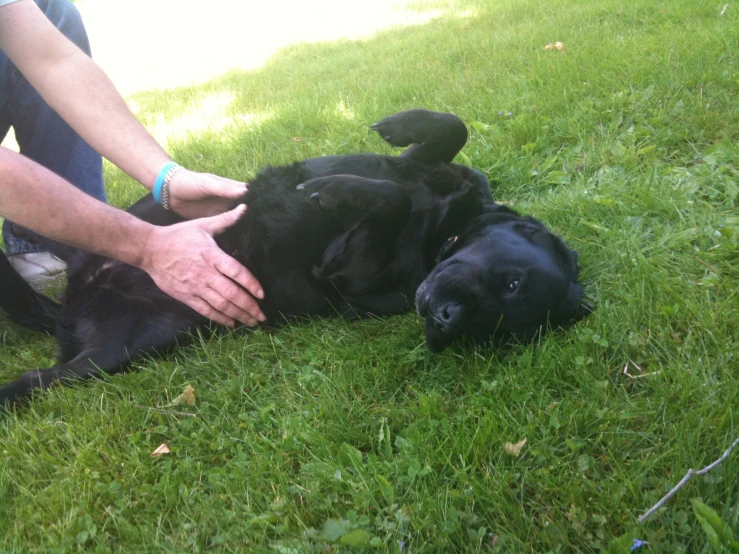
{"x":41,"y":134}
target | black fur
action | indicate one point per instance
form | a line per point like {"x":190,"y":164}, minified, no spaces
{"x":345,"y":235}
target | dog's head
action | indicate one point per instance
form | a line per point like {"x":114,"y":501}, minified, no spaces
{"x":504,"y":275}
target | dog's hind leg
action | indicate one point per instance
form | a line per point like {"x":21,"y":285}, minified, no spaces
{"x":106,"y":333}
{"x":25,"y":306}
{"x":351,"y":198}
{"x":433,"y":136}
{"x":113,"y":350}
{"x":85,"y":366}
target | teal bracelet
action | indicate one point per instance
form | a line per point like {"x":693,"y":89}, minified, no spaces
{"x":157,"y":190}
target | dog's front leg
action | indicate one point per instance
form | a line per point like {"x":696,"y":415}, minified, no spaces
{"x":374,"y":213}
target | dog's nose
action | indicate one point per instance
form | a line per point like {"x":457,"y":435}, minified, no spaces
{"x":446,"y":316}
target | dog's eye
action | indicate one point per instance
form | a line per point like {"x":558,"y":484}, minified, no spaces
{"x":513,"y":285}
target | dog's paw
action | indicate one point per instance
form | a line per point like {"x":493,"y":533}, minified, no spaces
{"x":301,"y":188}
{"x":13,"y":394}
{"x":409,"y":127}
{"x":311,"y":189}
{"x":393,"y":130}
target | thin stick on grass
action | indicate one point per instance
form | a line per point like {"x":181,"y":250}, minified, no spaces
{"x":685,"y":479}
{"x":709,"y":266}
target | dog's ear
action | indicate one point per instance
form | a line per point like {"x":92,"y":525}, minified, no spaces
{"x":571,"y":308}
{"x":568,"y":256}
{"x":537,"y":233}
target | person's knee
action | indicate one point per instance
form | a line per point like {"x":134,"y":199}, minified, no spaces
{"x":66,"y":17}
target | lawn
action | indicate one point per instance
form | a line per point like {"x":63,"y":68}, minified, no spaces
{"x":328,"y":436}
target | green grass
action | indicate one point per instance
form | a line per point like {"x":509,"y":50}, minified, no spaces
{"x":323,"y":432}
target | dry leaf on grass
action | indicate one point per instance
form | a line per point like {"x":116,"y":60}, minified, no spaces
{"x":514,"y":449}
{"x":187,"y":397}
{"x":556,"y":46}
{"x":160,"y":451}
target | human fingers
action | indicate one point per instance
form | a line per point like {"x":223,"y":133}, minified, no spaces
{"x":191,"y":186}
{"x":232,"y":300}
{"x":203,"y":299}
{"x":216,"y":224}
{"x":225,"y":188}
{"x":239,"y":274}
{"x":208,"y":311}
{"x":225,"y":263}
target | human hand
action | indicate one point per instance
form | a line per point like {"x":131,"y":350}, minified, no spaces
{"x":194,"y":195}
{"x":186,"y":263}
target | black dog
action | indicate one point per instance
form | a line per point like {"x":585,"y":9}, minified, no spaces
{"x":345,"y":235}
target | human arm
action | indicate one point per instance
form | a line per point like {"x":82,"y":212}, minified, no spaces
{"x":81,"y":93}
{"x":183,"y":260}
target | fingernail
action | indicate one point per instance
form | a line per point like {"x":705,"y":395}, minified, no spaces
{"x":260,"y":294}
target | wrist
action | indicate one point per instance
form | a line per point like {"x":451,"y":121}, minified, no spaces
{"x":161,"y":184}
{"x":149,"y":171}
{"x":137,"y":249}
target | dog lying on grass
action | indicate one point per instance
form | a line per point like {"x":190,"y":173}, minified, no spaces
{"x":346,"y":235}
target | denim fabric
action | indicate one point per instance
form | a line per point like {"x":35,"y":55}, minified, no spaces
{"x":41,"y":134}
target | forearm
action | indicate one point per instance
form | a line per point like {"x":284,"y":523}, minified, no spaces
{"x":99,"y":114}
{"x":36,"y":198}
{"x":78,"y":90}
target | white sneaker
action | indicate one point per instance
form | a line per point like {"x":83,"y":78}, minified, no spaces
{"x":38,"y":268}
